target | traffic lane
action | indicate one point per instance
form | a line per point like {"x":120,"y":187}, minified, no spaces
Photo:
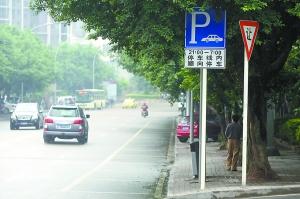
{"x":32,"y":163}
{"x":134,"y":172}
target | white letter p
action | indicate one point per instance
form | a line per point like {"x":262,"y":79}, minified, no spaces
{"x":194,"y":25}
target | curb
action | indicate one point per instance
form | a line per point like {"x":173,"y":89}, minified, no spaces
{"x":242,"y":192}
{"x":161,"y":188}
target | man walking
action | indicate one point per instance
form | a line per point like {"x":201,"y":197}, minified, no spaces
{"x":233,"y":133}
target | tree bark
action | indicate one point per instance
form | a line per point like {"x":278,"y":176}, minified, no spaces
{"x":258,"y":165}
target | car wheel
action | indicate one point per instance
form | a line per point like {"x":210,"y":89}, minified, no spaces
{"x":48,"y":139}
{"x":12,"y":127}
{"x":83,"y":139}
{"x":183,"y":139}
{"x":17,"y":127}
{"x":37,"y":125}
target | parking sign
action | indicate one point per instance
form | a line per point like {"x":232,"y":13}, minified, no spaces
{"x":205,"y":29}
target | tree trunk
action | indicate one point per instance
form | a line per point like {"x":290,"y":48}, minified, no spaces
{"x":258,"y":166}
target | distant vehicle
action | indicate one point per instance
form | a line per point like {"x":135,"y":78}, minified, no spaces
{"x":66,"y":100}
{"x":91,"y":98}
{"x":213,"y":38}
{"x":26,"y":114}
{"x":144,"y":108}
{"x":66,"y":122}
{"x":129,"y":103}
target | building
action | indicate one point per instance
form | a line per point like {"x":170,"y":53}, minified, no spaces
{"x":18,"y":13}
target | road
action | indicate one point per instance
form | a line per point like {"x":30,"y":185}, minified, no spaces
{"x":123,"y":158}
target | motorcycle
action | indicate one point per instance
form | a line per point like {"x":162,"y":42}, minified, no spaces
{"x":144,"y":113}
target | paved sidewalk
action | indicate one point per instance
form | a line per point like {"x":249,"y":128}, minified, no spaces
{"x":221,"y":183}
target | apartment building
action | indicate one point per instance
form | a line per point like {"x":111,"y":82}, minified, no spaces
{"x":18,"y":13}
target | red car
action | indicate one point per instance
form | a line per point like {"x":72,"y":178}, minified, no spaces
{"x":183,"y":129}
{"x":213,"y":129}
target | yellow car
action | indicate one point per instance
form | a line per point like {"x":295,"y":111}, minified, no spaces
{"x":129,"y":103}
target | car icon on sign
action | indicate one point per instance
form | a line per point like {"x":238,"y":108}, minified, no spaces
{"x":214,"y":38}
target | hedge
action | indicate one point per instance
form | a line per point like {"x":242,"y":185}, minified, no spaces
{"x":289,"y":131}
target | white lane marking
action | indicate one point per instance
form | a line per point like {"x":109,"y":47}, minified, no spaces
{"x":101,"y":164}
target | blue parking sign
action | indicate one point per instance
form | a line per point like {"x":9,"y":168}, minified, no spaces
{"x":205,"y":29}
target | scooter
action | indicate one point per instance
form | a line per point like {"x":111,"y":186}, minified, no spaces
{"x":144,"y":113}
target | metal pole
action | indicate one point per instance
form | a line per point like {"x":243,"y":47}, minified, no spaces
{"x":71,"y":33}
{"x":22,"y":91}
{"x":94,"y":70}
{"x":55,"y":85}
{"x":191,"y":111}
{"x":10,"y":12}
{"x":59,"y":33}
{"x":203,"y":128}
{"x":245,"y":119}
{"x":22,"y":14}
{"x":188,"y":95}
{"x":48,"y":30}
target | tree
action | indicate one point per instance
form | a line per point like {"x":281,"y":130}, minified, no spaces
{"x":74,"y":67}
{"x":23,"y":59}
{"x":152,"y":33}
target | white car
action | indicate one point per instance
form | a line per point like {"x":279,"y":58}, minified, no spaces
{"x":214,"y":38}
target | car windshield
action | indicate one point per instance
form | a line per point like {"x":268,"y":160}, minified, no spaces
{"x":64,"y":112}
{"x":26,"y":108}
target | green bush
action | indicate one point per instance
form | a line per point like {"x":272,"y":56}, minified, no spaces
{"x":290,"y":131}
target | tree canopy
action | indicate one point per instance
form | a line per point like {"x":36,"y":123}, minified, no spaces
{"x":74,"y":67}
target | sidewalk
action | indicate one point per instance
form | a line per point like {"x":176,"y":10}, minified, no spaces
{"x":221,"y":183}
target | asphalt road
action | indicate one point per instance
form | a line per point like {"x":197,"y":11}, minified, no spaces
{"x":123,"y":158}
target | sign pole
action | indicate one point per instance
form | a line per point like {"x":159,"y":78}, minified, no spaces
{"x":245,"y":115}
{"x":203,"y":128}
{"x":191,"y":110}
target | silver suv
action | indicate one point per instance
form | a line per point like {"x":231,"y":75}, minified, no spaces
{"x":66,"y":122}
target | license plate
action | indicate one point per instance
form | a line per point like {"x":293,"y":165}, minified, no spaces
{"x":63,"y":126}
{"x":185,"y":128}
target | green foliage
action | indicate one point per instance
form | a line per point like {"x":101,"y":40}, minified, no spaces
{"x":23,"y":59}
{"x":290,"y":131}
{"x":74,"y":67}
{"x":151,"y":33}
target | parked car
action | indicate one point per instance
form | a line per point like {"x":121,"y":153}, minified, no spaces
{"x":183,"y":129}
{"x":26,"y":114}
{"x":129,"y":103}
{"x":66,"y":122}
{"x":213,"y":128}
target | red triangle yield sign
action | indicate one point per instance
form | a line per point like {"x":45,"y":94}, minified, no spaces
{"x":249,"y":30}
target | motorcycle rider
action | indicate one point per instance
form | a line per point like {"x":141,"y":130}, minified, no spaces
{"x":144,"y":109}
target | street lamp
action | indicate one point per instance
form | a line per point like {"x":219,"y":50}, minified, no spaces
{"x":94,"y":67}
{"x":55,"y":60}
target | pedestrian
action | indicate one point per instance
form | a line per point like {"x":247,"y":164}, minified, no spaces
{"x":233,"y":133}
